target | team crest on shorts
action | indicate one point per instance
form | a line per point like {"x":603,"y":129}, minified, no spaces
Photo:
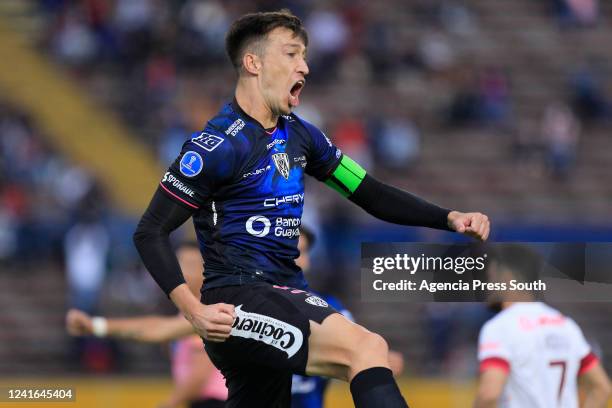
{"x":281,"y":161}
{"x":191,"y":164}
{"x":316,"y":301}
{"x":276,"y":333}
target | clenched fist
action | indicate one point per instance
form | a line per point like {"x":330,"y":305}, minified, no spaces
{"x":213,"y":322}
{"x":475,"y":225}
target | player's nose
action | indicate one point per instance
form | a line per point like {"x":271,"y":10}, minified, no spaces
{"x":303,"y":67}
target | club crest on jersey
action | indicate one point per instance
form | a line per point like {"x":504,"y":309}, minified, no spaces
{"x":191,"y":164}
{"x":316,"y":301}
{"x":281,"y":161}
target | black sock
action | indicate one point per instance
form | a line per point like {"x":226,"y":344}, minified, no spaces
{"x":376,"y":388}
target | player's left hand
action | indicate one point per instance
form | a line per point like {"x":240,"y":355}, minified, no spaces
{"x":475,"y":225}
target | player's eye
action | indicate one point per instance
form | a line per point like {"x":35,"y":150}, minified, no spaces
{"x":291,"y":54}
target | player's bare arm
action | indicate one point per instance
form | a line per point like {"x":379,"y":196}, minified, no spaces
{"x":149,"y":329}
{"x":490,"y":387}
{"x":595,"y":386}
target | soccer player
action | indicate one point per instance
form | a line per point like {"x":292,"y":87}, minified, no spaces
{"x":530,"y":354}
{"x":308,"y":392}
{"x":197,"y":382}
{"x":242,"y":181}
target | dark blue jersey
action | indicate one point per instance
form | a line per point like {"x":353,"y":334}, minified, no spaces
{"x":309,"y":392}
{"x":246,"y":185}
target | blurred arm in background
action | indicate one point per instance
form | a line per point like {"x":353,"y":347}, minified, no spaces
{"x":594,"y":384}
{"x":197,"y":367}
{"x":490,"y":387}
{"x":148,"y":329}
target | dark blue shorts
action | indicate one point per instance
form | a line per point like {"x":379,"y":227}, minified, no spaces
{"x":268,"y":342}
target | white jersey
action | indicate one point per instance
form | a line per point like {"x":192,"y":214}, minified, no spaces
{"x":542,"y":351}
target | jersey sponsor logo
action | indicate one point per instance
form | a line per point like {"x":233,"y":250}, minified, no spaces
{"x":256,"y":172}
{"x":235,"y":127}
{"x":281,"y":161}
{"x":276,"y":333}
{"x":254,"y":226}
{"x":259,"y":226}
{"x":207,"y":141}
{"x":274,"y":143}
{"x":288,"y":199}
{"x":191,"y":164}
{"x":177,"y":184}
{"x":316,"y":301}
{"x":287,"y":227}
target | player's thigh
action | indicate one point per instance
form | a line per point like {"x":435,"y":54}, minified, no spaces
{"x":339,"y":348}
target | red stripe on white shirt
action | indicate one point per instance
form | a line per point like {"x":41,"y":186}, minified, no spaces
{"x":495,"y":362}
{"x":587,"y":363}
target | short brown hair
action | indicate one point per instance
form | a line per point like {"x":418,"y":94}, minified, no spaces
{"x":254,"y":27}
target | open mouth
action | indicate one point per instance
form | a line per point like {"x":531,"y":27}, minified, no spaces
{"x":294,"y":93}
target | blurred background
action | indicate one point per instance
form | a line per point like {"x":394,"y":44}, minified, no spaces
{"x":503,"y":107}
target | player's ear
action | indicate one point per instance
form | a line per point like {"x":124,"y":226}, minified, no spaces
{"x":251,"y":63}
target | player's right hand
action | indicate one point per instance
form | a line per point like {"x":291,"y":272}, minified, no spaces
{"x":213,"y":322}
{"x":78,"y":323}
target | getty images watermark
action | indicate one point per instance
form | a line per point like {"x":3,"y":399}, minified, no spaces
{"x":462,"y":272}
{"x":458,"y":265}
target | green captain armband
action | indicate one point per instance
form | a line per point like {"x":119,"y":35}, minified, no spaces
{"x":347,"y":176}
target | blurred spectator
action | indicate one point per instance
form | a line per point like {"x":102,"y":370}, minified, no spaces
{"x":457,"y":18}
{"x":350,"y":133}
{"x":493,"y":95}
{"x":577,"y":13}
{"x":86,"y":247}
{"x":87,"y":250}
{"x":464,"y":108}
{"x":72,"y":185}
{"x":560,"y":130}
{"x":8,"y":235}
{"x":396,"y":140}
{"x":207,"y":22}
{"x":31,"y":174}
{"x":527,"y":147}
{"x":133,"y":15}
{"x":328,"y":36}
{"x":588,"y":98}
{"x":481,"y":98}
{"x":436,"y":52}
{"x":175,"y":134}
{"x":75,"y":43}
